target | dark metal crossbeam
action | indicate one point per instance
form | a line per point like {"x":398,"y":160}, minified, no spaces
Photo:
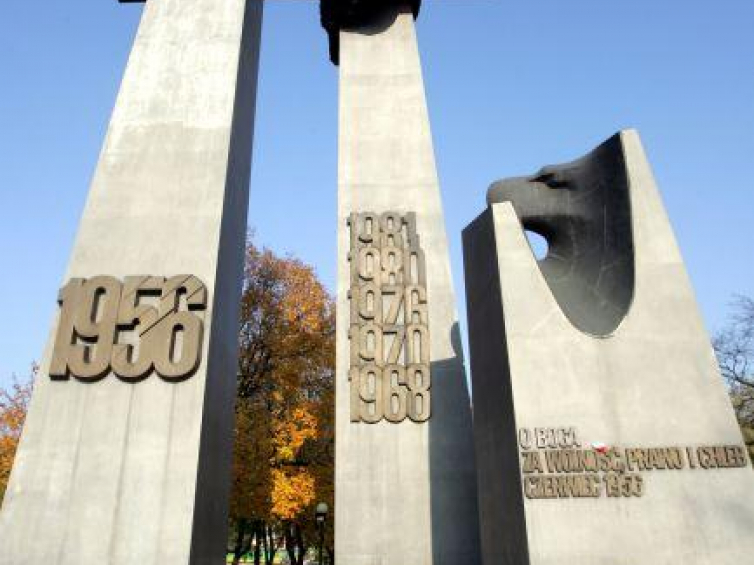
{"x":336,"y":15}
{"x":343,"y":14}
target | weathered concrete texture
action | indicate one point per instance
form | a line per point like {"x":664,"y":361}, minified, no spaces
{"x":405,"y":493}
{"x":138,"y":473}
{"x":653,"y":382}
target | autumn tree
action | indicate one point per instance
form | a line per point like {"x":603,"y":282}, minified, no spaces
{"x":734,"y":347}
{"x":283,"y":459}
{"x":13,"y":405}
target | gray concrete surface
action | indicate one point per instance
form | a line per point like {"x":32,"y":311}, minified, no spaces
{"x":652,"y":382}
{"x":138,"y":474}
{"x":405,"y":493}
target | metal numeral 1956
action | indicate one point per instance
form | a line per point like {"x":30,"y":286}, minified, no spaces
{"x":133,"y":328}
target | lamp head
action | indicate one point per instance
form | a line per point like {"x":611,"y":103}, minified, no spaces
{"x":321,"y":511}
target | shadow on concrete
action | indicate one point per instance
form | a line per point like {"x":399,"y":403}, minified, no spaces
{"x":501,"y":504}
{"x":453,"y":491}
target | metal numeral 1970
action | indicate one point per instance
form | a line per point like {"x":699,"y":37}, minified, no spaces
{"x":133,"y":328}
{"x":389,"y":331}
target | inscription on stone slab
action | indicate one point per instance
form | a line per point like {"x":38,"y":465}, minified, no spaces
{"x":389,"y":330}
{"x":133,"y":328}
{"x":555,"y":465}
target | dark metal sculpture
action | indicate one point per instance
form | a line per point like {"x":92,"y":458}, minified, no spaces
{"x":343,"y":14}
{"x":583,"y":210}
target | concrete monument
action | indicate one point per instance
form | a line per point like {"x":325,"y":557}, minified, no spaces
{"x":603,"y":431}
{"x":405,"y":475}
{"x":125,"y":456}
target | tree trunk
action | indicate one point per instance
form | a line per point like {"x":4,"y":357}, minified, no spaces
{"x":294,"y":543}
{"x":300,"y":544}
{"x":240,"y":533}
{"x":270,"y":545}
{"x":259,"y":535}
{"x":265,"y":546}
{"x":290,"y":548}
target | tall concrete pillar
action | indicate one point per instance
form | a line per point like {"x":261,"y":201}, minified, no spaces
{"x":136,"y":471}
{"x":604,"y":432}
{"x":405,"y":472}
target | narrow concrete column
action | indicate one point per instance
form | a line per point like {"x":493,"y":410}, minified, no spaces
{"x":405,"y":489}
{"x":138,"y":473}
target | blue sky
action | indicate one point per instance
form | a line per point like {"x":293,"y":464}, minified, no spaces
{"x":511,"y":85}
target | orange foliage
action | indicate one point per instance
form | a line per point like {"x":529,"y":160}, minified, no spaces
{"x":292,"y":491}
{"x":283,"y":459}
{"x":13,"y":406}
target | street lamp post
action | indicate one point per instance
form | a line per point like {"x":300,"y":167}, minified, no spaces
{"x":321,"y":515}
